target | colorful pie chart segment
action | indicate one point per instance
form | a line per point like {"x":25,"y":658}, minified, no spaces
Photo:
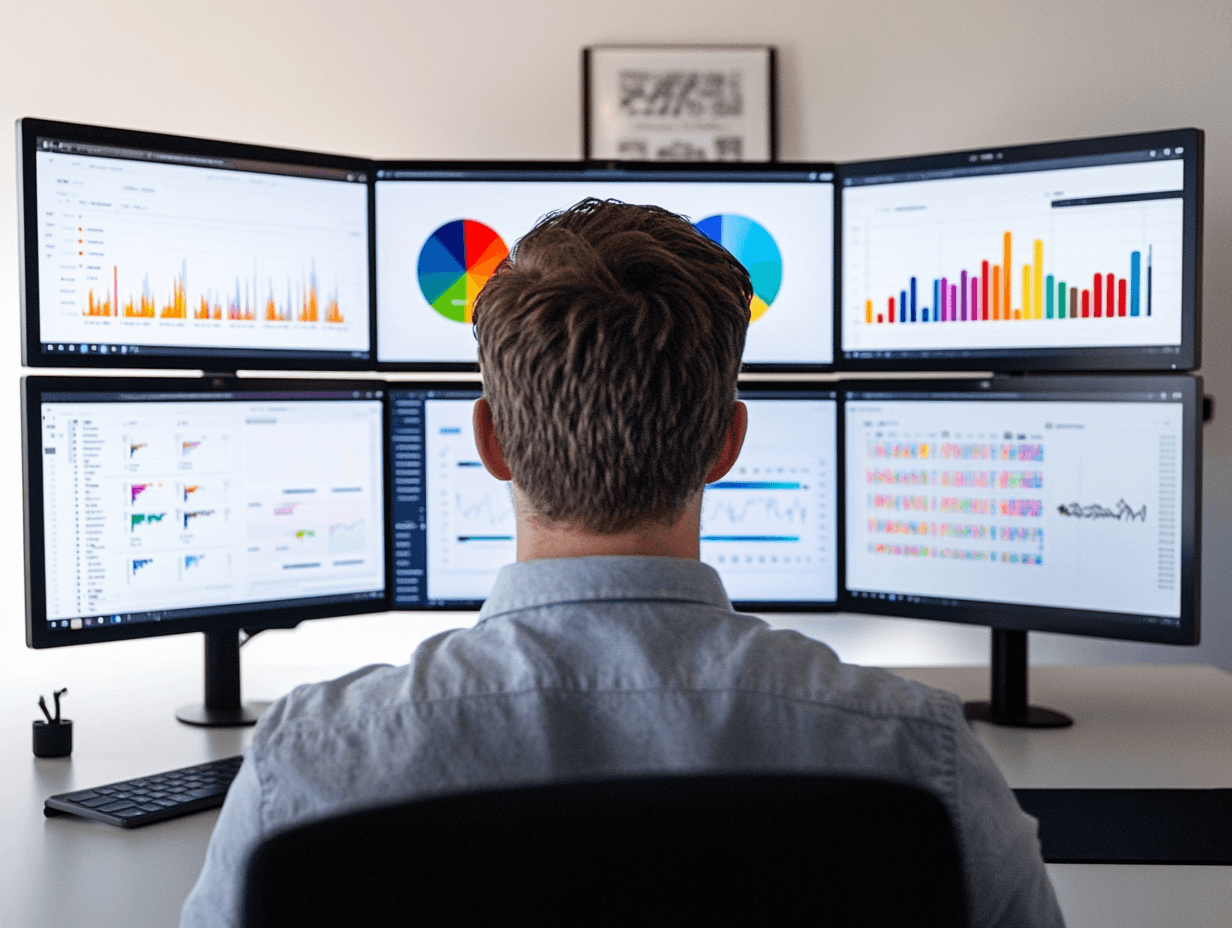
{"x":454,"y":264}
{"x":755,"y":248}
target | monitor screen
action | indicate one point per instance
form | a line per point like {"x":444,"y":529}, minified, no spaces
{"x":1053,"y":504}
{"x":442,"y":229}
{"x":153,"y":251}
{"x":769,"y":526}
{"x":166,"y":506}
{"x":1072,"y":255}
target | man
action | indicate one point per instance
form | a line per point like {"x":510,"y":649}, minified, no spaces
{"x":609,"y":345}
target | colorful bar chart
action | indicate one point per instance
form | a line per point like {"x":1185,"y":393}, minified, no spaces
{"x":966,"y":297}
{"x":1014,"y":259}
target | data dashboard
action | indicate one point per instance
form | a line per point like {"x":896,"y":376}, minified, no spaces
{"x":164,"y":507}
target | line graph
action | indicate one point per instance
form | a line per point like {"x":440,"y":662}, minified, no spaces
{"x":1121,"y":512}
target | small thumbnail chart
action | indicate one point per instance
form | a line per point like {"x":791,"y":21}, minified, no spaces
{"x":1066,"y":504}
{"x":1075,"y":257}
{"x":157,"y":255}
{"x":470,"y":516}
{"x":194,"y":502}
{"x":768,"y":526}
{"x":454,"y":264}
{"x":754,"y":247}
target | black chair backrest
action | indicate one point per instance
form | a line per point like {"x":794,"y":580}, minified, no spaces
{"x":747,"y":849}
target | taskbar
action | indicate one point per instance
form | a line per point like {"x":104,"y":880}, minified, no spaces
{"x":113,"y":619}
{"x":942,"y":603}
{"x":100,"y":349}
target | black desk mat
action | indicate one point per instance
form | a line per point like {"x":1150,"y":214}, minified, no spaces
{"x":1132,"y":826}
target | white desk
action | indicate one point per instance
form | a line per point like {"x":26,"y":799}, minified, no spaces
{"x":1139,"y":726}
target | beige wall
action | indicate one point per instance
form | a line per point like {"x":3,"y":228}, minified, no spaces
{"x":499,"y":78}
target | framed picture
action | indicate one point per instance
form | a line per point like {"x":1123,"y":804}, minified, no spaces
{"x":678,"y":103}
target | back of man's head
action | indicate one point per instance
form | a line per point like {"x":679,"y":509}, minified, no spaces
{"x":610,"y":342}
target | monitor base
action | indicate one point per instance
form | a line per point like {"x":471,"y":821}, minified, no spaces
{"x":204,"y":717}
{"x":222,"y":706}
{"x":1033,"y":717}
{"x":1009,"y":706}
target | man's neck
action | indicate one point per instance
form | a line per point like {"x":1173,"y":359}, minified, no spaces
{"x":538,"y":539}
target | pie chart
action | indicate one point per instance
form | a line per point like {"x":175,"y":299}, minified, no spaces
{"x":755,"y":248}
{"x":454,"y":264}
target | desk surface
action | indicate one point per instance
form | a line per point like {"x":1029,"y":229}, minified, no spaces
{"x":1137,"y":726}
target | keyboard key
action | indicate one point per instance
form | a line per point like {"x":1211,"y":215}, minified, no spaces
{"x":96,"y":801}
{"x":82,"y":795}
{"x":114,"y":807}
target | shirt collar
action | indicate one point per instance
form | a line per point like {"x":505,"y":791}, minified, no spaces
{"x":547,"y":582}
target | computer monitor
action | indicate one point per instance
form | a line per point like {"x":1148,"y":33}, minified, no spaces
{"x":1061,"y":504}
{"x":442,"y":228}
{"x":769,"y":527}
{"x":151,"y":251}
{"x":165,"y":506}
{"x":1078,"y":255}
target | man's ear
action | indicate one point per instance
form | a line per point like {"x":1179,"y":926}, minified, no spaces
{"x":732,"y":442}
{"x":485,"y":441}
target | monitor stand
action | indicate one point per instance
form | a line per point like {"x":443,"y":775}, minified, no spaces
{"x":1009,"y":689}
{"x":222,"y":707}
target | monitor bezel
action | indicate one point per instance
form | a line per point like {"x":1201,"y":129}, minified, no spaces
{"x":227,"y":360}
{"x":630,"y":171}
{"x":1039,"y":360}
{"x":1082,"y":622}
{"x":35,"y":387}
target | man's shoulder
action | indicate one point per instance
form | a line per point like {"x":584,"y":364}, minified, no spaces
{"x":807,"y":669}
{"x":330,"y":703}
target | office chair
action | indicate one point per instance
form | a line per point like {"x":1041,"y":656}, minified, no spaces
{"x":757,"y":849}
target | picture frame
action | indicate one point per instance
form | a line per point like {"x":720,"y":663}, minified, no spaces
{"x":679,"y":103}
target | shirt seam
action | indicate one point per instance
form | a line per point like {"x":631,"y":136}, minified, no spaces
{"x":635,"y":598}
{"x":314,"y":725}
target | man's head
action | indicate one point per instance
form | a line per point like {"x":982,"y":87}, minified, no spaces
{"x":609,"y":344}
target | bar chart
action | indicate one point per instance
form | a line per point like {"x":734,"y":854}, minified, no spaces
{"x":1074,"y":257}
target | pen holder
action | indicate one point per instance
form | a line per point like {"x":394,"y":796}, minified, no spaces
{"x":53,"y":739}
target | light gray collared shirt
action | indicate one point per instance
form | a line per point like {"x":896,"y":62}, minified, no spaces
{"x":586,"y":667}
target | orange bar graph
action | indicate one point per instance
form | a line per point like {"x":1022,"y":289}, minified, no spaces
{"x":99,"y":307}
{"x":305,"y":304}
{"x":996,"y":292}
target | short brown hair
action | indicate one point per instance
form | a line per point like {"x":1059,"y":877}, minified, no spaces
{"x":610,"y":343}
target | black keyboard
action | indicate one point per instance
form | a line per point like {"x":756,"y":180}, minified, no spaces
{"x":133,"y":803}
